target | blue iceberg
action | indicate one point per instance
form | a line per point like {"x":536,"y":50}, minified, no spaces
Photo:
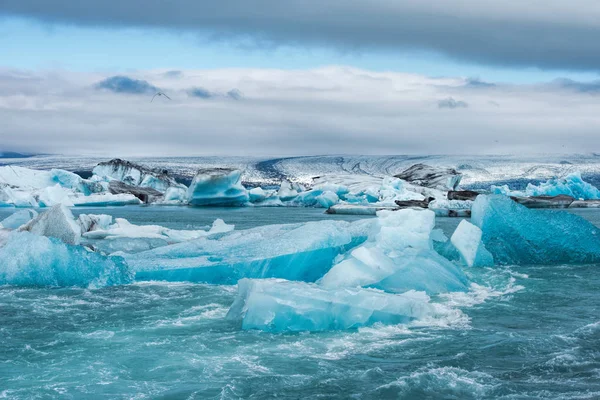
{"x":572,"y":185}
{"x":294,"y":252}
{"x":217,"y":187}
{"x":277,"y":306}
{"x":514,"y":234}
{"x":30,"y":260}
{"x":398,"y":257}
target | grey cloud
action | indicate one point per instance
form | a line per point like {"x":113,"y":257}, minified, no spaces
{"x":235,"y":94}
{"x":203,"y":93}
{"x":583,"y":87}
{"x":478,"y":83}
{"x":540,"y":33}
{"x":173,"y":74}
{"x":452,"y":103}
{"x":200,"y":93}
{"x":124,"y":84}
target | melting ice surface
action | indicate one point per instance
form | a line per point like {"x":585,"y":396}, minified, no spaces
{"x":296,"y":252}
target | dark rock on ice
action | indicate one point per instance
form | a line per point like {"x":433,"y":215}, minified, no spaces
{"x":462,"y":195}
{"x":428,"y":176}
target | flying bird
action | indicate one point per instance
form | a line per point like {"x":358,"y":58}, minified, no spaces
{"x":159,"y":94}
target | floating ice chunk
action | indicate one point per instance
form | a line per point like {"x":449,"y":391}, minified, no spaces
{"x":175,"y":195}
{"x":571,"y":185}
{"x":123,"y":236}
{"x":135,"y":175}
{"x":92,"y":222}
{"x":54,"y":195}
{"x":467,"y":240}
{"x":31,"y":260}
{"x":218,"y":186}
{"x":105,"y":200}
{"x":257,"y":195}
{"x":286,"y":192}
{"x":277,"y":306}
{"x":18,"y":219}
{"x":398,"y":256}
{"x":58,"y":222}
{"x":327,"y":199}
{"x":514,"y":234}
{"x":295,"y":252}
{"x":124,"y":229}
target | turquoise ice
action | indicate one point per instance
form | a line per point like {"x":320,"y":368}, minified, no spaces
{"x":32,"y":260}
{"x":278,"y":305}
{"x":514,"y":234}
{"x":294,"y":251}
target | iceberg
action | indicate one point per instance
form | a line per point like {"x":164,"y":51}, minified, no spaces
{"x":28,"y":179}
{"x":514,"y":234}
{"x":277,"y":305}
{"x":397,"y":257}
{"x":92,"y":222}
{"x":467,"y":240}
{"x":295,"y":252}
{"x":58,"y":222}
{"x":571,"y":185}
{"x":101,"y":233}
{"x":286,"y":192}
{"x":134,"y":175}
{"x":30,"y":260}
{"x":105,"y":200}
{"x":256,"y":195}
{"x":18,"y":219}
{"x":175,"y":195}
{"x":24,"y":187}
{"x":217,"y":187}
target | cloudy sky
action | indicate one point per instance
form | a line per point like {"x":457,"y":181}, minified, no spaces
{"x":299,"y":77}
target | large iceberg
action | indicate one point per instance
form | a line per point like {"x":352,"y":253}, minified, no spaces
{"x":514,"y":234}
{"x":277,"y":305}
{"x":217,"y":187}
{"x":398,"y":257}
{"x":134,"y":175}
{"x":24,"y":187}
{"x":30,"y":260}
{"x":296,"y":252}
{"x":571,"y":185}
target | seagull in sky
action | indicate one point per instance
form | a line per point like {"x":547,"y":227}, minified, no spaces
{"x":159,"y":94}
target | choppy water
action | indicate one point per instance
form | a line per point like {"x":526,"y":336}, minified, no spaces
{"x":522,"y":332}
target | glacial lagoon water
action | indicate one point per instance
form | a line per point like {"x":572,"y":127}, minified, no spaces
{"x":521,"y":332}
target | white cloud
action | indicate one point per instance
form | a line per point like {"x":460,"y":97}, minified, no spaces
{"x":282,"y":112}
